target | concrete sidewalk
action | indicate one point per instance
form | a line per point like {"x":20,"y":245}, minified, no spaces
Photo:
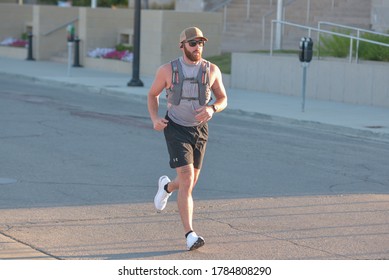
{"x":304,"y":227}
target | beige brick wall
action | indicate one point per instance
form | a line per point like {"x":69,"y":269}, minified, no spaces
{"x":13,"y":20}
{"x":101,"y":27}
{"x":48,"y":39}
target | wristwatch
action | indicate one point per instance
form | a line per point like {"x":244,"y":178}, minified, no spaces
{"x":214,"y":108}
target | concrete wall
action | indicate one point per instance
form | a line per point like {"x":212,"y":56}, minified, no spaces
{"x":365,"y":83}
{"x":14,"y":20}
{"x":48,"y":39}
{"x":380,"y":15}
{"x":101,"y":28}
{"x":160,"y":30}
{"x":189,"y":5}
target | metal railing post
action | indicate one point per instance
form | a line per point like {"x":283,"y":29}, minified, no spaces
{"x":263,"y":30}
{"x":357,"y":50}
{"x":248,"y":10}
{"x":318,"y":41}
{"x":271,"y":38}
{"x":351,"y":50}
{"x":225,"y":19}
{"x":308,"y":11}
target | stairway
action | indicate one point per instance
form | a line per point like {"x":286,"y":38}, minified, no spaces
{"x":354,"y":13}
{"x":243,"y":29}
{"x":245,"y":32}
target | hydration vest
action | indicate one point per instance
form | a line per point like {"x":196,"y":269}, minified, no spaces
{"x":174,"y":93}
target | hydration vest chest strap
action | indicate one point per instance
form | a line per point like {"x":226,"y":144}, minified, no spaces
{"x":202,"y":79}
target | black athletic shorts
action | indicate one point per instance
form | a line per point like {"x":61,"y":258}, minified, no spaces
{"x":186,"y":145}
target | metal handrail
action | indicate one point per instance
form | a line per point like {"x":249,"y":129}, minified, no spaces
{"x":351,"y":27}
{"x":310,"y":29}
{"x":219,"y":5}
{"x":224,"y":3}
{"x":59,"y":27}
{"x":357,"y":29}
{"x":264,"y":24}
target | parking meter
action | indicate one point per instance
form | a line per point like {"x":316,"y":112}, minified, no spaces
{"x":70,"y":38}
{"x":301,"y":51}
{"x":305,"y":57}
{"x":306,"y":49}
{"x":70,"y":32}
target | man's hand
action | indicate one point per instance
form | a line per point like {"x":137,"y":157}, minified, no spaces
{"x":204,"y":114}
{"x":160,"y":123}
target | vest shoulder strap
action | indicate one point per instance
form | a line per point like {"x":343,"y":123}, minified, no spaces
{"x":174,"y":93}
{"x":176,"y":71}
{"x":205,"y":72}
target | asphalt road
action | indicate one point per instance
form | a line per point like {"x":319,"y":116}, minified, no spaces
{"x":78,"y":173}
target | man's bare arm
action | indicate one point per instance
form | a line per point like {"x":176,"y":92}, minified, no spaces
{"x":157,"y":87}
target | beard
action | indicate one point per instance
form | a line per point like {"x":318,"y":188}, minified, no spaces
{"x":192,"y":56}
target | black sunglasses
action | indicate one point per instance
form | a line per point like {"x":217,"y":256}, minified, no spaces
{"x":193,"y":43}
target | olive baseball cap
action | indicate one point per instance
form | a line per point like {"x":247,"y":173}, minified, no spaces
{"x":191,"y":33}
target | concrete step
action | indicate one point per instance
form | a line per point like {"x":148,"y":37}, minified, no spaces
{"x":247,"y":34}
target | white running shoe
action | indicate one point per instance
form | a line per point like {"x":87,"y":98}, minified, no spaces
{"x":160,"y":199}
{"x":193,"y":241}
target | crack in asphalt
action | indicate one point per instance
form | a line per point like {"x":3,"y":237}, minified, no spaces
{"x":22,"y":136}
{"x":86,"y":184}
{"x":277,"y":238}
{"x":29,"y":245}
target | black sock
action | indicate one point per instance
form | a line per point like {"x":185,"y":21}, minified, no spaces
{"x":165,"y":187}
{"x":189,"y":232}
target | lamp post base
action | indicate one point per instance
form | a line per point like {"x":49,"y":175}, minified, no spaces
{"x":135,"y":83}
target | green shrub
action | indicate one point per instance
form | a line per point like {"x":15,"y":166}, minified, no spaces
{"x":371,"y":51}
{"x":337,"y":46}
{"x":168,"y":6}
{"x":109,"y":3}
{"x":333,"y":45}
{"x":122,"y":47}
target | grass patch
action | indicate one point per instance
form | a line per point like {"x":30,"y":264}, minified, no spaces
{"x":223,"y":61}
{"x":374,"y":52}
{"x":336,"y":46}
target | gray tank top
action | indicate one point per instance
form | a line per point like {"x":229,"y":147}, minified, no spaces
{"x":184,"y":113}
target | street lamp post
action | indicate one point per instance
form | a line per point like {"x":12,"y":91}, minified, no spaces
{"x":278,"y":27}
{"x":135,"y":81}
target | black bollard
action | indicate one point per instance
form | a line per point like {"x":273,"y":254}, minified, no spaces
{"x":77,"y":53}
{"x":29,"y":54}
